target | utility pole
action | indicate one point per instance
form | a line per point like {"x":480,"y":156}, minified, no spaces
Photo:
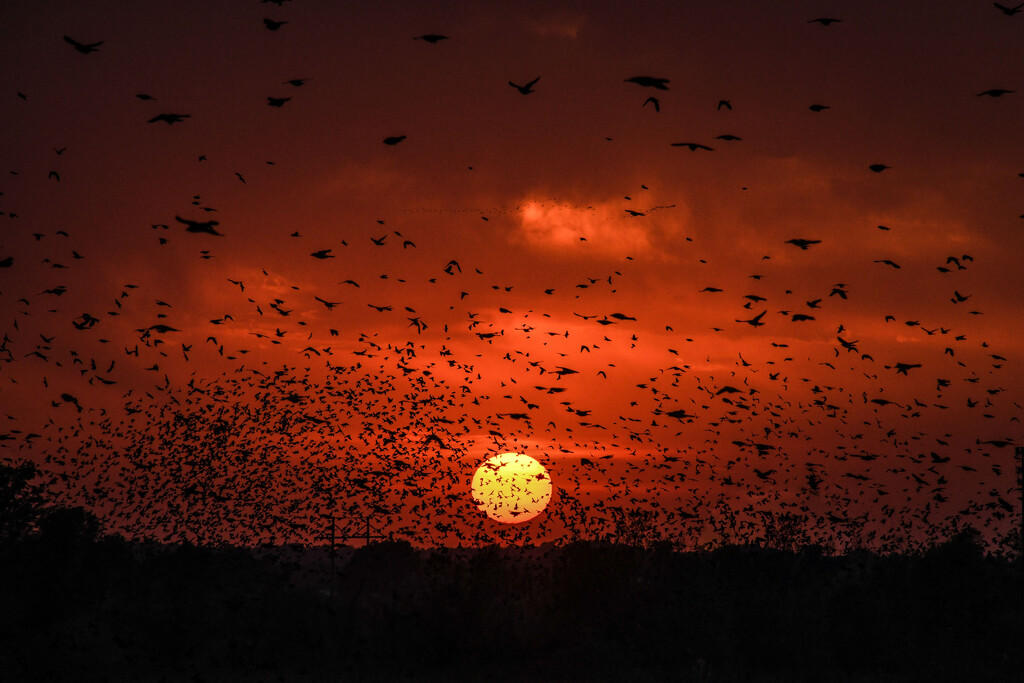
{"x":367,"y":533}
{"x":332,"y":536}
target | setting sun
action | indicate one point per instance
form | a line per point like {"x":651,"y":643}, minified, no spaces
{"x":511,"y":488}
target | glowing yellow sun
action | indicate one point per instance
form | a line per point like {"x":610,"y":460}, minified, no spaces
{"x":511,"y":488}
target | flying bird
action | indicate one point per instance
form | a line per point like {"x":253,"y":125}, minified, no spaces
{"x":802,"y":243}
{"x":169,"y":119}
{"x":694,"y":146}
{"x":1008,"y":11}
{"x":902,"y":368}
{"x":824,"y":21}
{"x":432,"y":38}
{"x":755,"y":321}
{"x":204,"y":227}
{"x":654,"y":101}
{"x":394,"y":140}
{"x":649,"y":82}
{"x":525,"y":89}
{"x":84,"y":48}
{"x":329,"y":305}
{"x":995,"y":92}
{"x":159,"y":328}
{"x":273,"y":25}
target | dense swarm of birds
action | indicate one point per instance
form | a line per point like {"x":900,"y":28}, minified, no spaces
{"x":267,"y":425}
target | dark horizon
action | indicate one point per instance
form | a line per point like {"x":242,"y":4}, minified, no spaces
{"x":79,"y":607}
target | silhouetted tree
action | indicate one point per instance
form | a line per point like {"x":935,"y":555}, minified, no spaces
{"x":785,"y":531}
{"x":21,"y":501}
{"x":68,"y":526}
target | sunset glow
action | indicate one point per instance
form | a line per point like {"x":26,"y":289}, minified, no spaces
{"x":511,"y":488}
{"x":717,"y":265}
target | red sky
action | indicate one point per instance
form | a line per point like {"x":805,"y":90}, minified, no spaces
{"x":527,"y":193}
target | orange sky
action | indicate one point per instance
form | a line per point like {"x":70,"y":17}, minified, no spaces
{"x":529,"y":193}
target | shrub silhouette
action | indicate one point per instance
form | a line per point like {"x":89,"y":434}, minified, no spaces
{"x":20,"y":501}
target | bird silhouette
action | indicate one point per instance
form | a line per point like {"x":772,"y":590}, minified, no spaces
{"x":525,"y":89}
{"x":649,"y":82}
{"x":1008,"y":11}
{"x":329,"y":305}
{"x":201,"y":227}
{"x":84,"y":48}
{"x":903,"y":368}
{"x":755,"y":321}
{"x":169,"y":119}
{"x":693,"y":146}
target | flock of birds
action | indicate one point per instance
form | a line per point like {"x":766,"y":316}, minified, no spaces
{"x":287,"y":425}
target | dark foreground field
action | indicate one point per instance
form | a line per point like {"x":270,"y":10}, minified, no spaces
{"x":75,"y":608}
